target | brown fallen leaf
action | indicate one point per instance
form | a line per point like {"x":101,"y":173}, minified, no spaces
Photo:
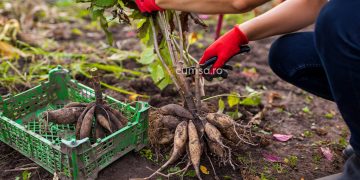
{"x":9,"y":51}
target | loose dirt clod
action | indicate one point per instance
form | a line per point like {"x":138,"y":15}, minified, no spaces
{"x":166,"y":136}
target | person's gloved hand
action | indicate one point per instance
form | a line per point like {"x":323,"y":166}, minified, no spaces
{"x":147,"y":6}
{"x":224,"y":48}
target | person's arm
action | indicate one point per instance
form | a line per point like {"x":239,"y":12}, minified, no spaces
{"x":289,"y":16}
{"x":200,"y":6}
{"x":211,"y":6}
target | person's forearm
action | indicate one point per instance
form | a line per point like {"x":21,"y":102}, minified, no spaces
{"x":290,"y":16}
{"x":210,"y":6}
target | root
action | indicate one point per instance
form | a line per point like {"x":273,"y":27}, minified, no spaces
{"x":242,"y":139}
{"x":184,"y":170}
{"x":212,"y":166}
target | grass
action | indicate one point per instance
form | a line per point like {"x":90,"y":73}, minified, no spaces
{"x":308,"y":134}
{"x":291,"y":161}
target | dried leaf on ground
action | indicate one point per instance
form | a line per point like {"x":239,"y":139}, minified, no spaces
{"x":326,"y":151}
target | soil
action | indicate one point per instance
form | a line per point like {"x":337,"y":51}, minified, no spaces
{"x":302,"y":115}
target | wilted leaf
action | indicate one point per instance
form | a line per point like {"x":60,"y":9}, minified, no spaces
{"x":56,"y":177}
{"x":193,"y":38}
{"x":271,"y":157}
{"x":204,"y":170}
{"x":133,"y":97}
{"x":282,"y":137}
{"x":327,"y":153}
{"x":221,"y":106}
{"x":250,"y":72}
{"x":249,"y":89}
{"x":233,"y":99}
{"x":7,"y":50}
{"x":272,"y":96}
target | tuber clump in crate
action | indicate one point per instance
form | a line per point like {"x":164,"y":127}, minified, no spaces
{"x":107,"y":119}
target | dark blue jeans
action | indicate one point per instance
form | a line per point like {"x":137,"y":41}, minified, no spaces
{"x":326,"y":62}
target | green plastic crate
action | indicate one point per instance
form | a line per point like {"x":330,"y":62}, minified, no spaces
{"x":53,"y":146}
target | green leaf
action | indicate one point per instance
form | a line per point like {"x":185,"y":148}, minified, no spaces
{"x":306,"y":110}
{"x":98,"y":13}
{"x":235,"y":115}
{"x":157,"y":73}
{"x":147,"y":56}
{"x":164,"y":51}
{"x":329,"y":115}
{"x":190,"y":173}
{"x":165,"y":82}
{"x":140,"y":23}
{"x":233,"y":99}
{"x":104,"y":25}
{"x":104,"y":3}
{"x":145,"y":33}
{"x":147,"y":153}
{"x":174,"y":169}
{"x":254,"y":99}
{"x":26,"y":175}
{"x":221,"y":106}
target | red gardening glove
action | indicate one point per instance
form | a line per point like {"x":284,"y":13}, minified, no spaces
{"x":224,"y":48}
{"x":147,"y":6}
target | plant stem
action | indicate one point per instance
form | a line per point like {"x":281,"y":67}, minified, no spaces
{"x":223,"y":95}
{"x":197,"y":87}
{"x":156,"y":46}
{"x":97,"y":86}
{"x":181,"y":37}
{"x":188,"y":97}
